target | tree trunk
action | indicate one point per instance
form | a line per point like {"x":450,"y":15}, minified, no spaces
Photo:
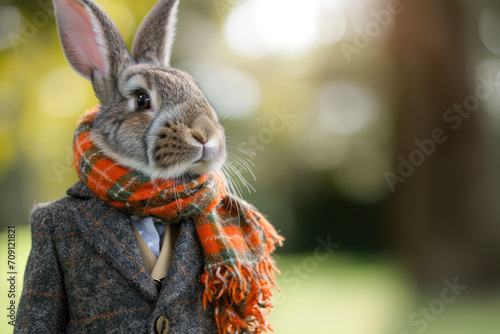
{"x":445,"y":215}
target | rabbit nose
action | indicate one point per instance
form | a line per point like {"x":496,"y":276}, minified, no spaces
{"x":199,"y":136}
{"x":203,"y":129}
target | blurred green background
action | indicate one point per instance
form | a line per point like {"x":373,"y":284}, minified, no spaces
{"x":338,"y":103}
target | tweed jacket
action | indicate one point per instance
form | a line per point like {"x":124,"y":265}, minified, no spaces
{"x":86,"y":274}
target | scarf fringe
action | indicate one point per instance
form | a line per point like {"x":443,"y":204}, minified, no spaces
{"x":229,"y":286}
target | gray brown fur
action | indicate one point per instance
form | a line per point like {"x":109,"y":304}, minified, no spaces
{"x":157,"y":26}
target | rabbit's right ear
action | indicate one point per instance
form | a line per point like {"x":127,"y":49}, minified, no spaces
{"x":91,"y":42}
{"x":155,"y":36}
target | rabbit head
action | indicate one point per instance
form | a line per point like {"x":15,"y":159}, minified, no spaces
{"x":153,"y":118}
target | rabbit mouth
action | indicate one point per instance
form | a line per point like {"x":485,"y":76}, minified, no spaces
{"x":208,"y":152}
{"x":201,"y":159}
{"x":204,"y":160}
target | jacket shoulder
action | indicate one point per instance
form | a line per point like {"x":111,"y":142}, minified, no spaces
{"x":49,"y":216}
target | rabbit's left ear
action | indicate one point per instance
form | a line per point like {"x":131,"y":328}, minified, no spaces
{"x":155,"y":36}
{"x":92,"y":44}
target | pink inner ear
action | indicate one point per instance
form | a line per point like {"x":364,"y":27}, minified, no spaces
{"x":82,"y":38}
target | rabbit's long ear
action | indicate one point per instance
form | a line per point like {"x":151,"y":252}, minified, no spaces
{"x":91,"y":42}
{"x":154,"y":38}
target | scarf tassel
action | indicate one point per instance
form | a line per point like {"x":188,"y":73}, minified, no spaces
{"x":240,"y":293}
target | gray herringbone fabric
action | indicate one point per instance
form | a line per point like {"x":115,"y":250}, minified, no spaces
{"x":85,"y":274}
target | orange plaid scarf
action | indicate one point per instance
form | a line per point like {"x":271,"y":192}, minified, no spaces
{"x":237,"y":240}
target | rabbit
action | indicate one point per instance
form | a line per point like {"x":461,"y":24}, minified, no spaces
{"x":152,"y":118}
{"x":149,"y":240}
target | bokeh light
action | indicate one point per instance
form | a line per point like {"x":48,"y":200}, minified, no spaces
{"x":332,"y":21}
{"x":490,"y":67}
{"x":320,"y":149}
{"x":232,"y":92}
{"x":285,"y":28}
{"x":489,"y":26}
{"x":347,"y":108}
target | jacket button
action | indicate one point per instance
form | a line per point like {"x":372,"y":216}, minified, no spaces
{"x":162,"y":325}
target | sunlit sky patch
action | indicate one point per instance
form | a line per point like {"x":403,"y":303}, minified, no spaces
{"x":284,"y":28}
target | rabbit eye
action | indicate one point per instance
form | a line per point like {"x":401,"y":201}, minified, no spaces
{"x":142,"y":101}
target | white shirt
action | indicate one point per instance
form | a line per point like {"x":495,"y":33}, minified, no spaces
{"x":151,"y":230}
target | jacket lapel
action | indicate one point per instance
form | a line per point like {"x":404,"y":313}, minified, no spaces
{"x":110,"y":233}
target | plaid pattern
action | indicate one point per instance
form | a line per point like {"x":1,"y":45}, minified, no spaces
{"x":237,"y":240}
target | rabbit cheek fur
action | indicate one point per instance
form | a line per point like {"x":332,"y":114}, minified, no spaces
{"x":179,"y":135}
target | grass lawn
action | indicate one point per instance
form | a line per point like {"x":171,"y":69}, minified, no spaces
{"x":338,"y":294}
{"x":355,"y":295}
